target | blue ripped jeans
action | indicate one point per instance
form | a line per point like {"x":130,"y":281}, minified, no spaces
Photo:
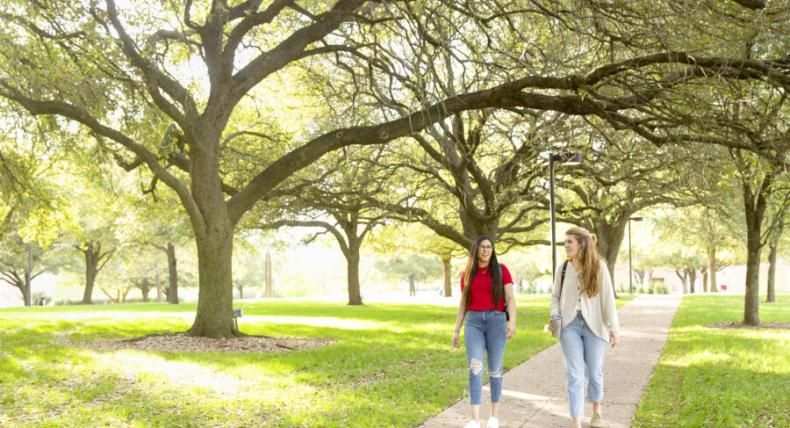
{"x":485,"y":333}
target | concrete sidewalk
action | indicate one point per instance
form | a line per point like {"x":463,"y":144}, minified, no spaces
{"x":534,"y":393}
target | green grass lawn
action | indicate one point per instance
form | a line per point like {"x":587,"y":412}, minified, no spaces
{"x":721,"y":377}
{"x":389,"y":365}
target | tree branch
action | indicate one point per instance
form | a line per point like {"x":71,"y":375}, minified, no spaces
{"x":154,"y":78}
{"x":290,"y":49}
{"x":341,"y":240}
{"x":36,"y":108}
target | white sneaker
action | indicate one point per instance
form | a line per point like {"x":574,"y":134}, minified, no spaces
{"x":472,"y":424}
{"x":493,"y":422}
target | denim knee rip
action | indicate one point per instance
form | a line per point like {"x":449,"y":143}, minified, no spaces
{"x":475,"y":366}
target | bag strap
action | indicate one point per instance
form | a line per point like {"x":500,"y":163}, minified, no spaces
{"x":562,"y":277}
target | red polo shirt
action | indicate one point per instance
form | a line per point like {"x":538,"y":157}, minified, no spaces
{"x":481,"y":298}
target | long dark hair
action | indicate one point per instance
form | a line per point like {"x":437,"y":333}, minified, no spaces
{"x":497,"y":288}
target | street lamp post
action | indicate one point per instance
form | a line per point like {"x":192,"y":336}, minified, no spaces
{"x":630,"y":269}
{"x":565,"y":158}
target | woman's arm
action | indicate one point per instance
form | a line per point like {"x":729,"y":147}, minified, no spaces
{"x":459,"y":321}
{"x":608,"y":306}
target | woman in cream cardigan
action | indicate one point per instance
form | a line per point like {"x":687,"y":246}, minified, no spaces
{"x":585,"y":307}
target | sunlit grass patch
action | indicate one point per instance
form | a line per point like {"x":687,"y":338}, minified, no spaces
{"x":711,"y":377}
{"x":387,"y":365}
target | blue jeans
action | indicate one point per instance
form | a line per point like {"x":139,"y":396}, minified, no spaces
{"x":485,"y":332}
{"x":584,"y":352}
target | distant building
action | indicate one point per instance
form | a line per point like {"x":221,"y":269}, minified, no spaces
{"x":733,"y":278}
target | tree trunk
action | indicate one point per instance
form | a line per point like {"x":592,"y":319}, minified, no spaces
{"x":13,"y":279}
{"x":639,"y":276}
{"x":268,"y":274}
{"x":755,"y":205}
{"x":714,"y":286}
{"x":27,"y":292}
{"x":771,"y":297}
{"x":692,"y":273}
{"x":214,"y":316}
{"x":241,"y":291}
{"x":91,"y":270}
{"x":448,"y":289}
{"x":751,"y":308}
{"x":683,"y":280}
{"x":773,"y":243}
{"x":646,"y":280}
{"x":354,"y":296}
{"x":610,"y":237}
{"x":705,"y":281}
{"x":145,"y":289}
{"x":213,"y":234}
{"x":172,"y":271}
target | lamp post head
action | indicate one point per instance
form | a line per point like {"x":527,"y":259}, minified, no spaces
{"x":567,"y":158}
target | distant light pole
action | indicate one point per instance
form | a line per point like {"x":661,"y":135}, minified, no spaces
{"x":630,"y":269}
{"x":564,"y":158}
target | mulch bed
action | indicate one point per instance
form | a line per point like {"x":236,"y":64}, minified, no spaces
{"x":180,"y":342}
{"x":764,"y":325}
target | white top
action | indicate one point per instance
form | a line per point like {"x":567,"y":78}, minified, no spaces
{"x":599,"y":311}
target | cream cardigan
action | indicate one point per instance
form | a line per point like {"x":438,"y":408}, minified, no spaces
{"x":600,"y":311}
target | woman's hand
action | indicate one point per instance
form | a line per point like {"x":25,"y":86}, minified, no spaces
{"x":511,"y":329}
{"x":613,"y":338}
{"x":456,"y":339}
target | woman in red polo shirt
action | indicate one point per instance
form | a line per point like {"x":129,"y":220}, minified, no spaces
{"x":486,"y":293}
